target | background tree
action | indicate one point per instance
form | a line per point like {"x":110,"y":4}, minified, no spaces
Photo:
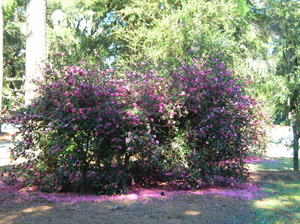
{"x":167,"y":30}
{"x":1,"y":55}
{"x":35,"y":43}
{"x":278,"y":21}
{"x":76,"y":28}
{"x":286,"y":29}
{"x":79,"y":28}
{"x":13,"y":48}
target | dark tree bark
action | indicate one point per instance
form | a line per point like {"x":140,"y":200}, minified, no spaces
{"x":1,"y":55}
{"x":296,"y":149}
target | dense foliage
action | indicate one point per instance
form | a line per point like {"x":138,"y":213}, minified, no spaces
{"x":166,"y":30}
{"x":13,"y":48}
{"x":98,"y":129}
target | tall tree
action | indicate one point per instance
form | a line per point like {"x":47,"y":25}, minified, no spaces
{"x":283,"y":28}
{"x":13,"y":48}
{"x":35,"y":44}
{"x":1,"y":55}
{"x":79,"y":28}
{"x":167,"y":30}
{"x":76,"y":28}
{"x":289,"y":61}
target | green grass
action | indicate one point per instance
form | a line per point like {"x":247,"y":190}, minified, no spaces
{"x":273,"y":164}
{"x":281,"y":203}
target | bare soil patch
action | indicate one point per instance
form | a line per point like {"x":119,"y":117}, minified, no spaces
{"x":178,"y":209}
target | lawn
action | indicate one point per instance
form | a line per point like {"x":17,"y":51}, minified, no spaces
{"x":280,"y":187}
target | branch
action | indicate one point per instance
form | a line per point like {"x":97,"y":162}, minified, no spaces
{"x":77,"y":27}
{"x":50,"y":23}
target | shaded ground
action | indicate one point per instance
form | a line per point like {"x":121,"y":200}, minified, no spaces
{"x":144,"y":206}
{"x":164,"y":209}
{"x":264,"y":176}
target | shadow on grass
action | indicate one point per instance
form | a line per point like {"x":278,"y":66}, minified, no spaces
{"x":282,"y":204}
{"x":281,"y":189}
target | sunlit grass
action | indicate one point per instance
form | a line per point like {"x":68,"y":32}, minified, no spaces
{"x":282,"y":206}
{"x":273,"y":164}
{"x":281,"y":203}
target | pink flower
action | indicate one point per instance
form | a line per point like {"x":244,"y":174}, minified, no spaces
{"x":134,"y":105}
{"x":74,"y":128}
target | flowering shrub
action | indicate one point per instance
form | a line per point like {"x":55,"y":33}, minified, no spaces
{"x":104,"y":129}
{"x":220,"y":123}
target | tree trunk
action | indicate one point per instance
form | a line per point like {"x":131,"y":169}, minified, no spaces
{"x":296,"y":149}
{"x":1,"y":56}
{"x":35,"y":44}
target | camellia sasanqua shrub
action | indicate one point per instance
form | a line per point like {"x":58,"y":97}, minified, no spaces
{"x":103,"y":130}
